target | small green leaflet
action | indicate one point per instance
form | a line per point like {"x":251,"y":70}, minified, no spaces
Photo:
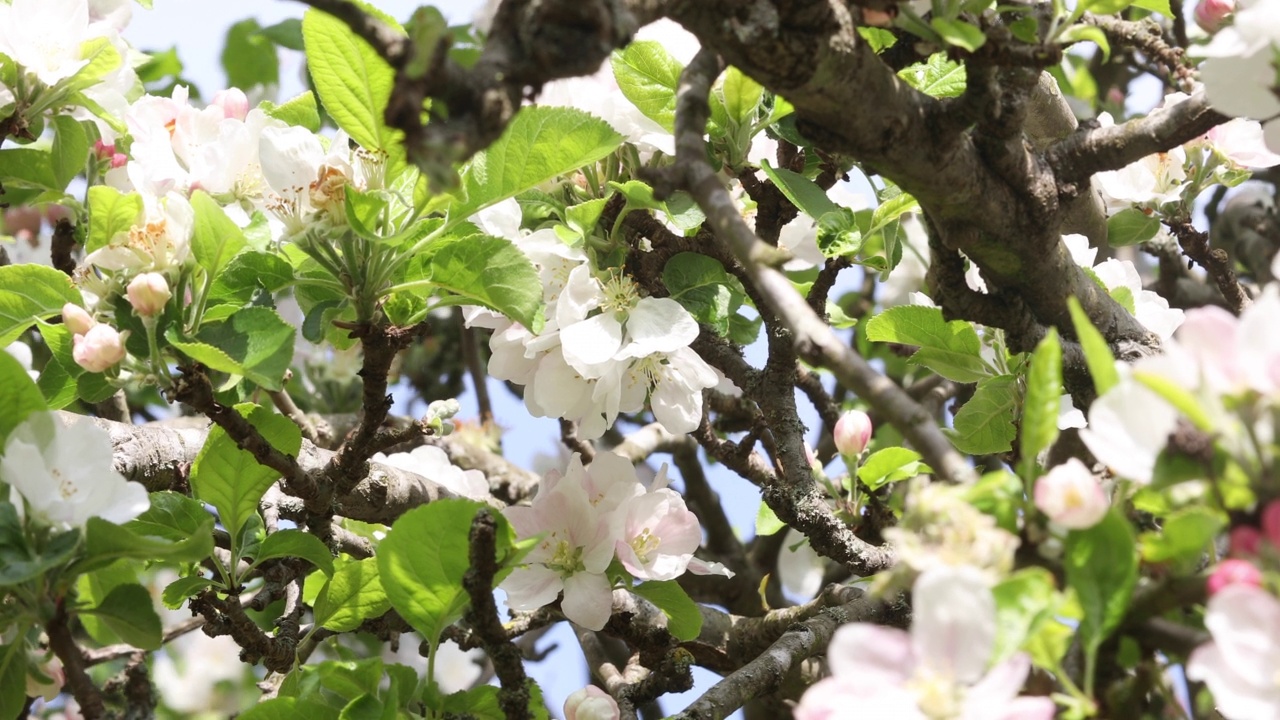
{"x":648,"y":75}
{"x":951,"y":349}
{"x":1040,"y":409}
{"x":984,"y":425}
{"x":937,"y":76}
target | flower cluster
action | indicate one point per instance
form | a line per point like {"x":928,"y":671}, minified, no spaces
{"x":586,"y":518}
{"x":1239,"y":75}
{"x":1216,"y":357}
{"x":606,"y":349}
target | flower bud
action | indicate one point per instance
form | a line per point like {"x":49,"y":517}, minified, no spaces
{"x":148,"y":293}
{"x":1244,"y":541}
{"x":98,"y":349}
{"x":103,"y":151}
{"x":591,"y":703}
{"x":233,"y":102}
{"x":1070,"y":496}
{"x":1211,"y":15}
{"x":77,"y":320}
{"x":1271,"y":523}
{"x":1234,"y":572}
{"x":853,"y":432}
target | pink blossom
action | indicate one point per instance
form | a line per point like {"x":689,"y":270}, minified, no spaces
{"x":576,"y":547}
{"x":1271,"y":523}
{"x":98,"y":349}
{"x":233,"y":102}
{"x":591,"y":703}
{"x":1233,"y":572}
{"x":1071,"y":496}
{"x":852,"y":433}
{"x":77,"y":320}
{"x":1242,"y":662}
{"x":148,"y":294}
{"x":938,"y":669}
{"x":1241,"y":141}
{"x":1244,"y":541}
{"x":1211,"y":15}
{"x":658,"y":535}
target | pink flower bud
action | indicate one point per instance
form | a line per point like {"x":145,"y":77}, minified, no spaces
{"x":22,"y":222}
{"x":591,"y":703}
{"x":77,"y":320}
{"x":1234,"y":572}
{"x":1211,"y":15}
{"x":1070,"y":496}
{"x":1244,"y":541}
{"x":119,"y":160}
{"x":103,"y":151}
{"x":1271,"y":523}
{"x":233,"y":102}
{"x":148,"y":293}
{"x":98,"y":349}
{"x":853,"y":432}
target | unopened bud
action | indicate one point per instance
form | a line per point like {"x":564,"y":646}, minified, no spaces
{"x":233,"y":101}
{"x":1271,"y":523}
{"x":591,"y":703}
{"x":77,"y":320}
{"x":98,"y":349}
{"x":148,"y":294}
{"x":1211,"y":15}
{"x":853,"y":433}
{"x":1234,"y":572}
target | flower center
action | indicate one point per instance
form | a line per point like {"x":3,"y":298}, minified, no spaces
{"x":938,"y":696}
{"x":566,"y":560}
{"x":644,"y":544}
{"x":620,"y":294}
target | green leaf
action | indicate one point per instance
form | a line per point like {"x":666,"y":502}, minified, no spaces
{"x":1182,"y":537}
{"x":1024,"y":600}
{"x":110,"y":213}
{"x":70,"y":150}
{"x":127,"y":611}
{"x":937,"y":76}
{"x":951,"y":349}
{"x":1091,"y":33}
{"x":539,"y":144}
{"x":1103,"y":7}
{"x":288,"y":708}
{"x":176,"y":592}
{"x":19,"y":396}
{"x":248,"y":274}
{"x":92,"y":588}
{"x":286,"y":34}
{"x":105,"y":542}
{"x":1160,"y":6}
{"x":1101,"y":564}
{"x":301,"y":111}
{"x":985,"y":424}
{"x":486,"y":270}
{"x":701,"y":285}
{"x":800,"y":190}
{"x":422,"y":560}
{"x":353,"y":81}
{"x":1130,"y":227}
{"x":215,"y":239}
{"x":889,"y":465}
{"x":13,"y":680}
{"x":255,"y":342}
{"x":354,"y":594}
{"x":1097,"y":355}
{"x":684,"y":620}
{"x":959,"y":33}
{"x":30,"y":292}
{"x":1044,"y":399}
{"x":296,"y":543}
{"x":28,"y":167}
{"x":172,"y":515}
{"x":19,"y":562}
{"x":229,"y":478}
{"x":647,"y":75}
{"x":767,"y":523}
{"x":249,"y":57}
{"x":740,"y":95}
